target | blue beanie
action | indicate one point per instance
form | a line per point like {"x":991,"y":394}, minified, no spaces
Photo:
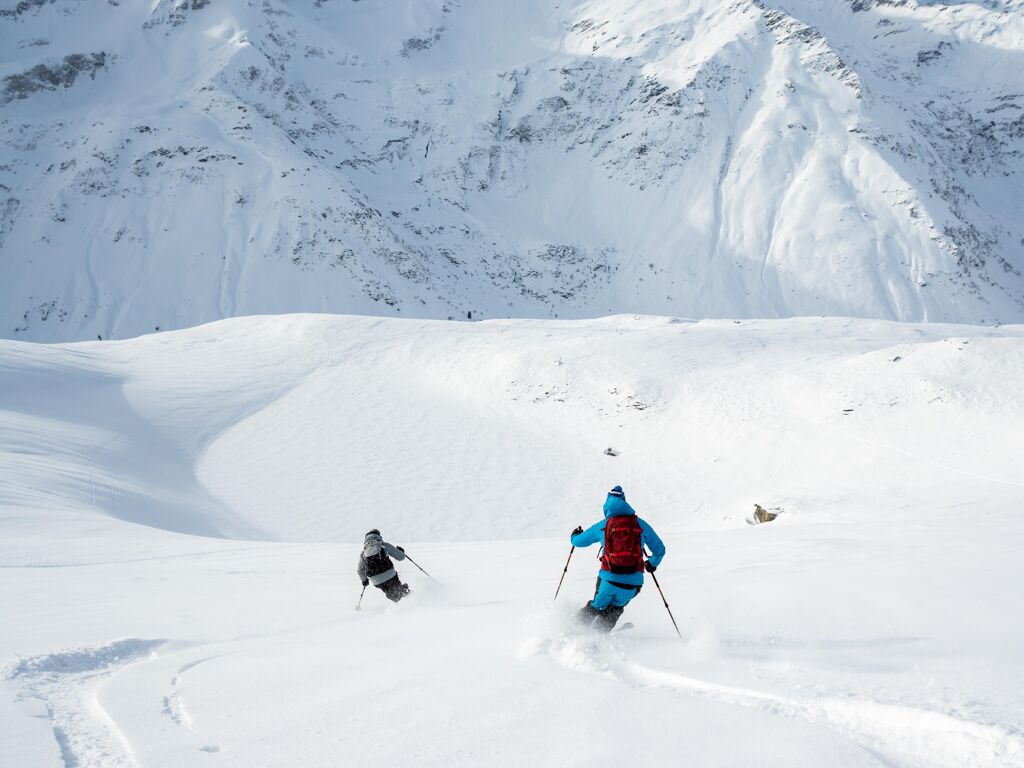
{"x":617,"y":491}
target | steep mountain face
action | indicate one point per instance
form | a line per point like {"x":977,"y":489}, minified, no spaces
{"x":168,"y":163}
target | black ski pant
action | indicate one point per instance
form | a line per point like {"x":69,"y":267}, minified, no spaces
{"x":601,"y":620}
{"x":394,"y":589}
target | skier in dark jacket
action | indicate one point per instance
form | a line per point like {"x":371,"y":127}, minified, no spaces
{"x":623,"y":536}
{"x":375,"y":566}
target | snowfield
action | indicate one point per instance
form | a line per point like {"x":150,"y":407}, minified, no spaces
{"x":180,"y":516}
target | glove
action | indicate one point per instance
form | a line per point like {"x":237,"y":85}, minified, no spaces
{"x":577,"y":530}
{"x":366,"y":582}
{"x":650,"y":568}
{"x":400,"y":549}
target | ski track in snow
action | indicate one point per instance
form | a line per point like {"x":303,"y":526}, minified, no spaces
{"x":898,"y":735}
{"x":68,"y":683}
{"x":174,"y":705}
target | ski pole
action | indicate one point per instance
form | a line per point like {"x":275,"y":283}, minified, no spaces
{"x":648,"y":555}
{"x":666,"y":605}
{"x":564,"y":571}
{"x":424,"y":572}
{"x":360,"y":598}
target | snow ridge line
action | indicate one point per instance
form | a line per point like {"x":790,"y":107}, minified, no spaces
{"x":67,"y":682}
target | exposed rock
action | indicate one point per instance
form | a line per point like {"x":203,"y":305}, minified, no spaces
{"x":43,"y":77}
{"x":762,"y":515}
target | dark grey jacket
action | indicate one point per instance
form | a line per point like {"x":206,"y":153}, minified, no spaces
{"x":372,"y":546}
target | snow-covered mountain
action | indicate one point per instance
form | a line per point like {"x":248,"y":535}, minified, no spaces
{"x":172,"y":162}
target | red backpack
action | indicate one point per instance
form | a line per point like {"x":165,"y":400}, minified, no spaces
{"x":623,"y":545}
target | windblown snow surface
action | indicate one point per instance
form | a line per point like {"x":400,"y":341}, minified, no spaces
{"x":181,"y":515}
{"x":173,"y":162}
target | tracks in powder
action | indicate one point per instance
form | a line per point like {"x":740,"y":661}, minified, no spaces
{"x":907,"y":736}
{"x":900,"y":735}
{"x":66,"y":682}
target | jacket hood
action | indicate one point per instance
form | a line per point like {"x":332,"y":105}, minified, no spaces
{"x":617,"y":506}
{"x":372,"y":544}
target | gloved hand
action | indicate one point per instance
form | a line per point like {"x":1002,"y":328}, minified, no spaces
{"x":401,"y":549}
{"x":577,"y":530}
{"x":650,"y":568}
{"x":366,"y":582}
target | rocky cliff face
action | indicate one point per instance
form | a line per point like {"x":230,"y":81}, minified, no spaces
{"x":171,"y":163}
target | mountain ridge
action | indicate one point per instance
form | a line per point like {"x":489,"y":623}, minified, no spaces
{"x":170,"y":166}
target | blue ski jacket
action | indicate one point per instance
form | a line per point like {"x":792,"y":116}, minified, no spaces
{"x":615,"y":506}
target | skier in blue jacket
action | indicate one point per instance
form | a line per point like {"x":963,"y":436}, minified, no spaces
{"x":623,"y":536}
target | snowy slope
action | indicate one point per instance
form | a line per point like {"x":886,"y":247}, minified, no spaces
{"x":180,"y":516}
{"x":169,"y":163}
